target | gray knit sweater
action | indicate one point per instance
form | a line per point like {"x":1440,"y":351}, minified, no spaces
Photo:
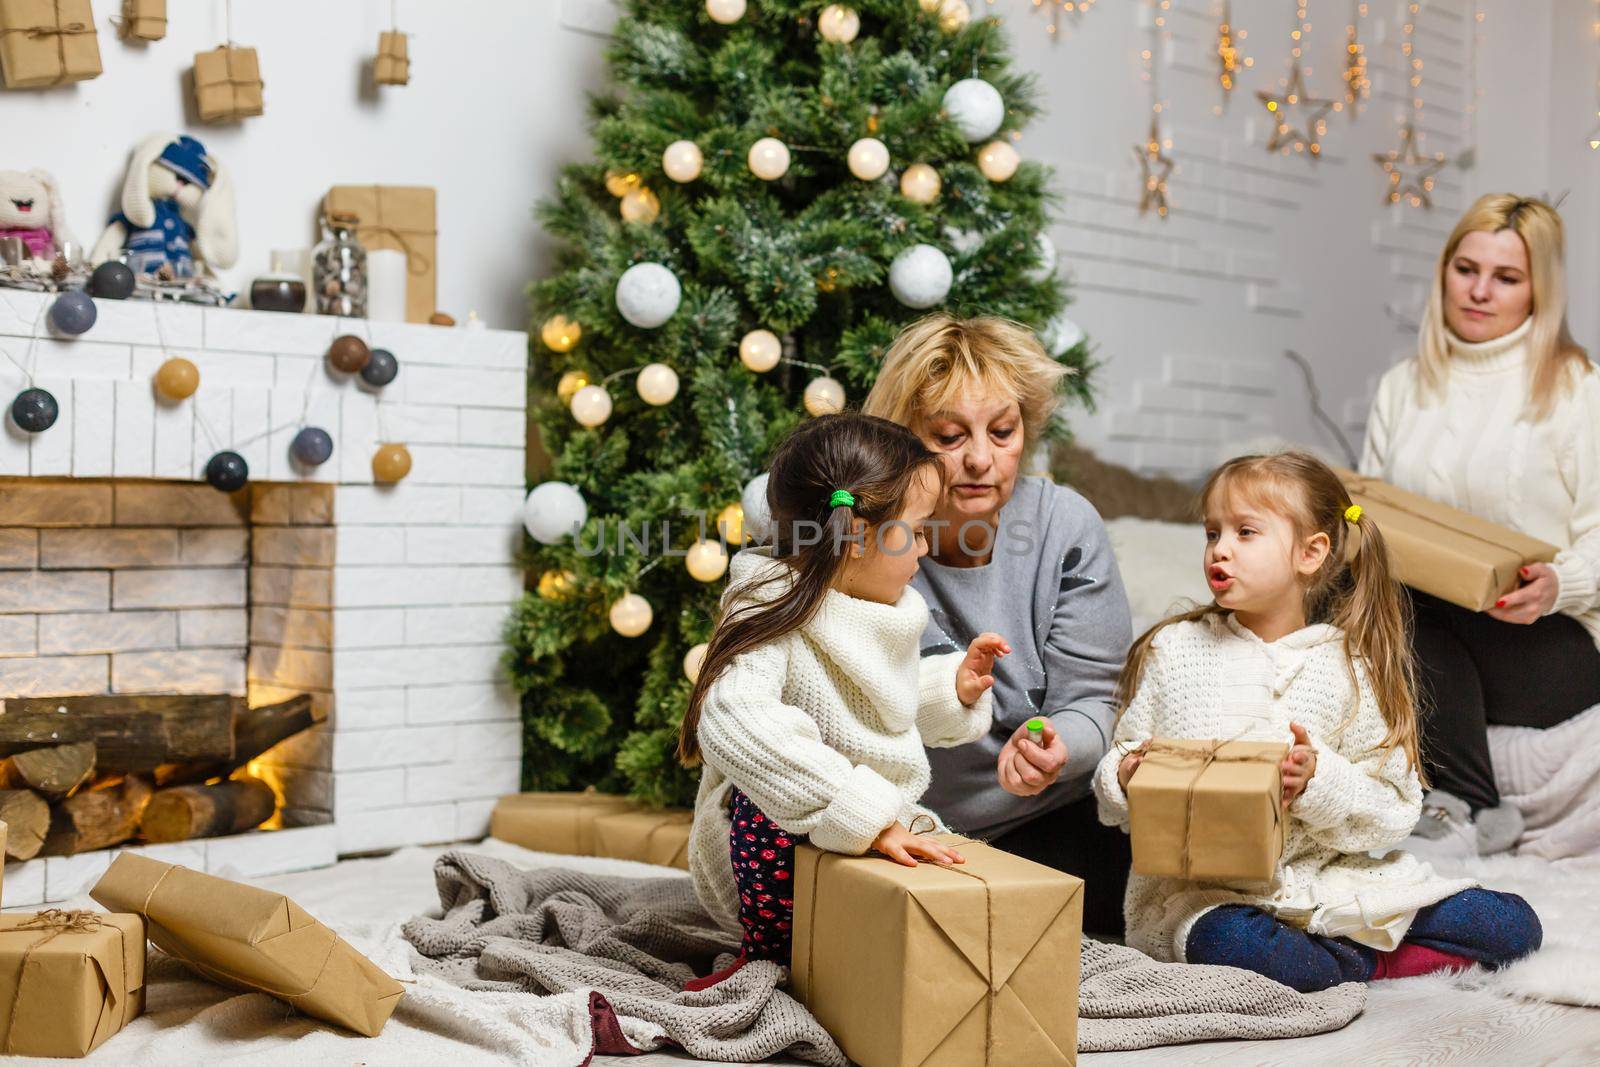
{"x":1052,"y":589}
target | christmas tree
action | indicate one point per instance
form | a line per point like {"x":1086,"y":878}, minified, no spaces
{"x":781,"y":185}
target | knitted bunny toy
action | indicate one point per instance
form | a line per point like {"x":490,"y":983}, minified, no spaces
{"x":30,"y":208}
{"x":177,"y":211}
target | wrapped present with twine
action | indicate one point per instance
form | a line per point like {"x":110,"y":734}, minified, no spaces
{"x":563,"y":823}
{"x":47,"y":42}
{"x":973,"y":964}
{"x":402,"y":217}
{"x":252,"y":939}
{"x":144,"y":20}
{"x":68,"y":980}
{"x":658,"y":837}
{"x":1208,"y":811}
{"x":227,"y":84}
{"x":393,"y":65}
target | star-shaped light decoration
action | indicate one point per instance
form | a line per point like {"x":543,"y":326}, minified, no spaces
{"x":1056,"y":10}
{"x":1287,"y":135}
{"x":1410,"y":171}
{"x":1155,"y":166}
{"x":1230,"y":61}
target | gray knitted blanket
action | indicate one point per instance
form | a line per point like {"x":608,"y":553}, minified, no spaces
{"x":637,"y":940}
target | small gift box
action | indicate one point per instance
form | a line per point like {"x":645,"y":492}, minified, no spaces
{"x":47,"y":42}
{"x":972,"y":963}
{"x":1208,"y":811}
{"x":227,"y":84}
{"x":554,"y":822}
{"x":659,"y":837}
{"x":144,"y":20}
{"x":393,"y":65}
{"x":403,"y":217}
{"x":68,"y":980}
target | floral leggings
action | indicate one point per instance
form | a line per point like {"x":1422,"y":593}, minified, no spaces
{"x":763,"y":867}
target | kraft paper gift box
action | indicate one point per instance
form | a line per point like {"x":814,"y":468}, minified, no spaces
{"x":227,"y":84}
{"x":393,"y":65}
{"x":659,"y":837}
{"x":247,"y":938}
{"x":47,"y":42}
{"x":554,"y":822}
{"x":402,"y":217}
{"x":144,"y":20}
{"x":68,"y":980}
{"x":1208,"y":811}
{"x":929,"y":966}
{"x":1447,"y":553}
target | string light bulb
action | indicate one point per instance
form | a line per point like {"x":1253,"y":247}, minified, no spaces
{"x":560,"y":334}
{"x":769,"y":159}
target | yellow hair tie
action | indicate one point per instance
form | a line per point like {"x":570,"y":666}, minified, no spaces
{"x":1352,"y":514}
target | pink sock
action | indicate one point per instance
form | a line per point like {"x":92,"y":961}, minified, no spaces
{"x":694,"y":985}
{"x":1409,"y":961}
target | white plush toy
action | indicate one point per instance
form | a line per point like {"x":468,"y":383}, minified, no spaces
{"x":177,"y":211}
{"x":30,"y":208}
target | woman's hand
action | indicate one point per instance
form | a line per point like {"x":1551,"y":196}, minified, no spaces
{"x":1533,"y":599}
{"x":1027,"y":767}
{"x":1299,"y":765}
{"x":903,"y":846}
{"x":973,"y":676}
{"x":1129,"y":764}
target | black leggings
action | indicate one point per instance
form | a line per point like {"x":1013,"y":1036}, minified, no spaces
{"x":1072,"y":839}
{"x":1474,"y":670}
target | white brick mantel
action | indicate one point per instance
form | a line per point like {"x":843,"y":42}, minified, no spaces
{"x":385,"y":602}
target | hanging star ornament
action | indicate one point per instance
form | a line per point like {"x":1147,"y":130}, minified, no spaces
{"x":1288,"y":135}
{"x":1230,"y":61}
{"x":1410,"y":171}
{"x":1155,"y":166}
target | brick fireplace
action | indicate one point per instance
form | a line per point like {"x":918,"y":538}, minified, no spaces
{"x":121,"y":572}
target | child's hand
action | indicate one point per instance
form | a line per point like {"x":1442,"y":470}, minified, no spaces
{"x":1129,"y":764}
{"x":1299,"y":765}
{"x":903,"y":846}
{"x":973,"y":676}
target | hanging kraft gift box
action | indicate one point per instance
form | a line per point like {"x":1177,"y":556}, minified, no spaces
{"x":393,"y":65}
{"x":247,"y":938}
{"x":47,"y":42}
{"x":1447,"y":553}
{"x":554,"y":822}
{"x":144,"y":20}
{"x":401,"y":217}
{"x":1208,"y":811}
{"x":970,"y":965}
{"x":68,"y":980}
{"x":227,"y":84}
{"x":658,"y":837}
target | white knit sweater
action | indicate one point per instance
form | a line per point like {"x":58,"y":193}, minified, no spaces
{"x":824,"y":729}
{"x":1215,"y":679}
{"x":1472,"y":449}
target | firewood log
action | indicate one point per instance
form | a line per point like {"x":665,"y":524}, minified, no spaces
{"x":185,"y":812}
{"x":27,"y":818}
{"x":55,"y":770}
{"x":97,"y":818}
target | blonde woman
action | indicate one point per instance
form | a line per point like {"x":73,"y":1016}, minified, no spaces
{"x":1499,"y":415}
{"x":1030,"y":559}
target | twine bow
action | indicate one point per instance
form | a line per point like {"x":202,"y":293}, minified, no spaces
{"x":1206,"y":754}
{"x":54,"y":922}
{"x":416,"y":262}
{"x":60,"y":31}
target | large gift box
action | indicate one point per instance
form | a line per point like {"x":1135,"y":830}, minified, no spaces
{"x":227,"y":84}
{"x":1450,"y":554}
{"x":659,"y":837}
{"x":402,"y":217}
{"x":393,"y":65}
{"x":68,"y":980}
{"x":144,"y":20}
{"x":1208,"y":811}
{"x":47,"y":42}
{"x":253,"y":939}
{"x":554,"y":822}
{"x":959,"y":966}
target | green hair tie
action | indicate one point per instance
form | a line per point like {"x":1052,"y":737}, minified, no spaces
{"x":841,"y":496}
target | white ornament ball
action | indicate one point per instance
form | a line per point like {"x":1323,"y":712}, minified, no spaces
{"x":824,"y":396}
{"x":759,"y":350}
{"x":838,"y":24}
{"x":1060,"y":334}
{"x":953,"y":15}
{"x":554,"y":510}
{"x":769,"y":159}
{"x":920,"y":183}
{"x":707,"y":561}
{"x":631,"y":615}
{"x":591,"y":405}
{"x":727,"y":12}
{"x":1047,"y":259}
{"x":963,"y":241}
{"x":998,"y":160}
{"x":682,"y":161}
{"x":868,"y":159}
{"x":658,"y":384}
{"x":757,"y":516}
{"x":975,"y":107}
{"x":648,"y":294}
{"x":693,"y":660}
{"x":920,"y":277}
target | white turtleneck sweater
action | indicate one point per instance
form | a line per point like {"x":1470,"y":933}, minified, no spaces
{"x":824,"y":728}
{"x":1473,"y":449}
{"x":1213,"y":679}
